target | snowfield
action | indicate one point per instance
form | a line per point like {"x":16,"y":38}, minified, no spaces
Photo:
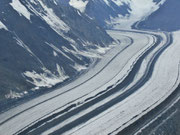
{"x":131,"y":79}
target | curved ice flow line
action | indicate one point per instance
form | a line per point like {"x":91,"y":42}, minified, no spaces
{"x":54,"y":96}
{"x":168,"y":106}
{"x":136,"y":59}
{"x":166,"y":46}
{"x":88,"y":98}
{"x":69,"y":89}
{"x":168,"y":93}
{"x":131,"y":41}
{"x":126,"y":96}
{"x":155,"y":105}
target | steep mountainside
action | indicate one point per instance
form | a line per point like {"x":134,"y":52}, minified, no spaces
{"x":118,"y":14}
{"x":105,"y":11}
{"x":44,"y":42}
{"x":166,"y":18}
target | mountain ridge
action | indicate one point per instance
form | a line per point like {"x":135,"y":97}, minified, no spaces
{"x":44,"y":44}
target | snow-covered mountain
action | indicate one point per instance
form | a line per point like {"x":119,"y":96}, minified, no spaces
{"x":44,"y":42}
{"x":69,"y":65}
{"x":166,"y":18}
{"x":121,"y":14}
{"x":127,"y":14}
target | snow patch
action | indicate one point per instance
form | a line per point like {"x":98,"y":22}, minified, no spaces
{"x":55,"y":2}
{"x":118,"y":2}
{"x":2,"y":26}
{"x":15,"y":95}
{"x":47,"y":78}
{"x":106,"y":1}
{"x":32,"y":1}
{"x":78,"y":4}
{"x":55,"y":54}
{"x":79,"y":67}
{"x":58,"y":50}
{"x":102,"y":50}
{"x":61,"y":72}
{"x":20,"y":8}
